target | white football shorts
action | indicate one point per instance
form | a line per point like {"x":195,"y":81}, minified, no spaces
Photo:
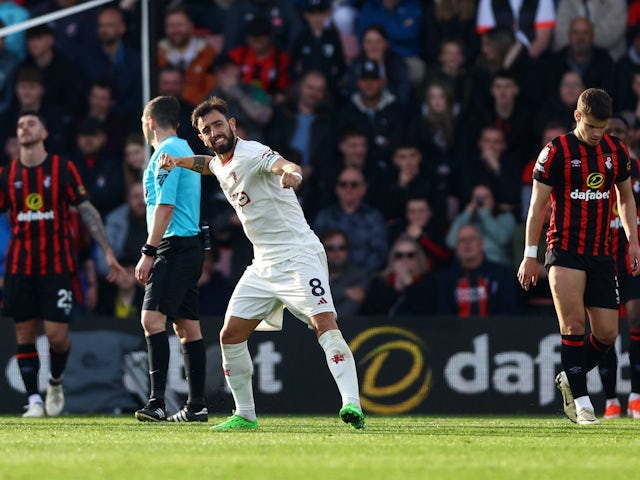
{"x":300,"y":284}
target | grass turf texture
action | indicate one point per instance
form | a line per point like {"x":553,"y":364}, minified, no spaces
{"x":319,"y":447}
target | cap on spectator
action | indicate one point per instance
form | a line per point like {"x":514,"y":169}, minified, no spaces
{"x":258,"y":27}
{"x":90,"y":126}
{"x":317,"y":5}
{"x":39,"y":31}
{"x":371,"y":69}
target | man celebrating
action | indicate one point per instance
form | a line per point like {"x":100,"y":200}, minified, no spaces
{"x":290,"y":266}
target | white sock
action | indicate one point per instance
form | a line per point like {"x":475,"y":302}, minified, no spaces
{"x":634,"y":396}
{"x":35,"y":398}
{"x":341,"y":365}
{"x":613,"y":401}
{"x":238,"y":370}
{"x":583,"y":402}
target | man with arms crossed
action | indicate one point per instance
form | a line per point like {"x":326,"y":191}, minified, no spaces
{"x":290,"y":266}
{"x":170,"y":265}
{"x":577,"y":171}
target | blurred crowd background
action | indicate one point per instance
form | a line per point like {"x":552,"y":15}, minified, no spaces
{"x":416,"y":123}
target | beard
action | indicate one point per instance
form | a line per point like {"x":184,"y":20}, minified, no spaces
{"x":225,"y":147}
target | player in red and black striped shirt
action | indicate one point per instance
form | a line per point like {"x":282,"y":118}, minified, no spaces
{"x":629,"y":296}
{"x":577,"y":171}
{"x":37,"y":190}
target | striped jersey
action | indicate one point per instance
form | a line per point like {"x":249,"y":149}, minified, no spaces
{"x":619,"y":242}
{"x":37,"y":200}
{"x":582,"y":177}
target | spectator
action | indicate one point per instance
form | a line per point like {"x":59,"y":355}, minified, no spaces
{"x":494,"y":166}
{"x":100,"y":171}
{"x":318,"y":47}
{"x":304,"y":123}
{"x":192,"y":54}
{"x":281,"y":15}
{"x":421,"y":225}
{"x":261,"y":62}
{"x":116,"y":60}
{"x":375,"y":46}
{"x":474,"y":285}
{"x":593,"y":63}
{"x":248,"y":103}
{"x":62,"y":81}
{"x":171,"y":83}
{"x":101,"y":107}
{"x":496,"y":228}
{"x":451,"y":70}
{"x":609,"y":23}
{"x":29,"y":95}
{"x":376,"y":109}
{"x":402,"y":20}
{"x":406,"y":180}
{"x":364,"y":224}
{"x":449,"y":19}
{"x":627,"y":74}
{"x":126,"y":228}
{"x":10,"y":14}
{"x":348,"y":282}
{"x":74,"y":34}
{"x":510,"y":112}
{"x":135,"y":159}
{"x":561,"y":104}
{"x":122,"y":299}
{"x":532,"y":23}
{"x":405,"y":286}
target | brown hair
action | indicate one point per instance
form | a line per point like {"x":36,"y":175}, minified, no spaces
{"x":596,"y":103}
{"x":207,"y":106}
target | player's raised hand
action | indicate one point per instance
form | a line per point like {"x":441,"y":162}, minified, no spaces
{"x":166,"y":162}
{"x":290,"y":179}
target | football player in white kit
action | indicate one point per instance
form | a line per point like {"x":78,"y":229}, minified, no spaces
{"x":289,"y":268}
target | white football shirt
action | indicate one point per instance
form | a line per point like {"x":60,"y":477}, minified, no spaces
{"x":271,"y":216}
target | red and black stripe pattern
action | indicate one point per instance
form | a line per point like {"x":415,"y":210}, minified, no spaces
{"x":619,"y":242}
{"x":37,"y":200}
{"x":582,"y":178}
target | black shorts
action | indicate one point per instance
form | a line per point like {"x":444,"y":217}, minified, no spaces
{"x":28,"y":297}
{"x":173,"y":282}
{"x":601,"y":289}
{"x":629,"y":288}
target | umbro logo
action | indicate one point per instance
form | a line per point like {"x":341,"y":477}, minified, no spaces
{"x":576,"y":162}
{"x":322,"y":301}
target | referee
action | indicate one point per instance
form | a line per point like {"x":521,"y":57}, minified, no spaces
{"x":170,"y":265}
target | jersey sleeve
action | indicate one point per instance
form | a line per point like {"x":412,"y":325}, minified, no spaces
{"x":624,"y":162}
{"x":76,"y":191}
{"x":545,"y":164}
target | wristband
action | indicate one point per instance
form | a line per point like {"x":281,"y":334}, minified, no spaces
{"x":531,"y":251}
{"x":149,"y":250}
{"x":296,"y":174}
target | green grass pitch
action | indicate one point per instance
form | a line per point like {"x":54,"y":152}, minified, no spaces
{"x":319,"y":447}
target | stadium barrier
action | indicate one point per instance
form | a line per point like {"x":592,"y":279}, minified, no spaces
{"x":410,"y":365}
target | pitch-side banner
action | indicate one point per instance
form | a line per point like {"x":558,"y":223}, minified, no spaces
{"x":421,"y":365}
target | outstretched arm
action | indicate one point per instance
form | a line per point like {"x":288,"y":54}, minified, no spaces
{"x":629,"y":215}
{"x":197,"y":163}
{"x":92,"y":220}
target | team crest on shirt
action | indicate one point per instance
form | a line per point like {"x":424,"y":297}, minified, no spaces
{"x":608,"y":162}
{"x":239,"y":200}
{"x":47,"y":182}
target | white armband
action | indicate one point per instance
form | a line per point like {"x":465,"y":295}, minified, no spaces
{"x":531,"y":251}
{"x":296,"y":174}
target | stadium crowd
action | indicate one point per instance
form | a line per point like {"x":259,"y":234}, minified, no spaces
{"x":416,"y":124}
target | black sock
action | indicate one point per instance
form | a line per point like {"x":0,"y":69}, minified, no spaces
{"x":594,"y":351}
{"x":29,"y":365}
{"x":608,"y":370}
{"x":58,"y":362}
{"x":572,"y":354}
{"x":158,"y":350}
{"x":634,"y":359}
{"x":195,"y":369}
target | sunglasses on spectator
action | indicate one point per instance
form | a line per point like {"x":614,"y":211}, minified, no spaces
{"x":334,"y":248}
{"x":351,"y":184}
{"x":399,"y":255}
